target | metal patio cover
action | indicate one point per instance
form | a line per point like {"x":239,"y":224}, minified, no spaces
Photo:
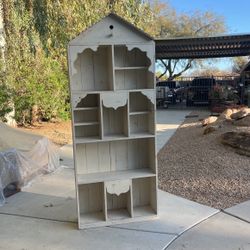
{"x":203,"y":47}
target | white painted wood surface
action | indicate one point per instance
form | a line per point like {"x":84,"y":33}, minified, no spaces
{"x":112,"y":86}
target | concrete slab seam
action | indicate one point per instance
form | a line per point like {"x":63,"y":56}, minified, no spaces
{"x":141,"y":230}
{"x":235,"y":216}
{"x":38,"y":218}
{"x":189,"y":228}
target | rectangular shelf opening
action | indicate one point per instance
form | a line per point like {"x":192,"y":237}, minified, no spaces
{"x":113,"y":157}
{"x":115,"y":122}
{"x":86,"y":115}
{"x":139,"y":103}
{"x":142,"y":124}
{"x":130,"y":58}
{"x":87,"y":130}
{"x":118,"y":207}
{"x":133,"y":79}
{"x":94,"y":70}
{"x":144,"y":196}
{"x":91,"y":203}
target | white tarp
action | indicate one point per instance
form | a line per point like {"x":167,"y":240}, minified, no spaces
{"x":23,"y":156}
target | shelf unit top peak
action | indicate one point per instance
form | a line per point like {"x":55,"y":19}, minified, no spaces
{"x":112,"y":29}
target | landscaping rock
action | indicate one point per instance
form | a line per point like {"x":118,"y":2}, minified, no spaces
{"x":238,"y":140}
{"x":210,"y":129}
{"x":241,"y":114}
{"x":227,"y":113}
{"x":209,"y":120}
{"x":244,"y":122}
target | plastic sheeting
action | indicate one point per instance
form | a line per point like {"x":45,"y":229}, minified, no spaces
{"x":23,"y":156}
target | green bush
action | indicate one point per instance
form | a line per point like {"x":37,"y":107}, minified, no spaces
{"x":5,"y":100}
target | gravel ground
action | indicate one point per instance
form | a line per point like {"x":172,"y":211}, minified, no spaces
{"x":198,"y":167}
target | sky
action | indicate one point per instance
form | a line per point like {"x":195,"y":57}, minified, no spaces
{"x":236,"y":14}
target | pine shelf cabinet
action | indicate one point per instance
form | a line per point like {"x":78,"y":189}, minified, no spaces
{"x":112,"y":85}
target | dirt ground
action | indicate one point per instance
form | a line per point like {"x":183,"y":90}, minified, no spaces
{"x":58,"y":132}
{"x":198,"y":167}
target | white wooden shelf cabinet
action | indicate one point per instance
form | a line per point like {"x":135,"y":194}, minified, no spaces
{"x":112,"y":84}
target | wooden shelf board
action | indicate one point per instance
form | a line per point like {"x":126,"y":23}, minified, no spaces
{"x":85,"y":108}
{"x":90,"y":218}
{"x":118,"y":214}
{"x":85,"y":123}
{"x":109,"y":222}
{"x":94,"y":139}
{"x":114,"y":137}
{"x":139,"y":112}
{"x":114,"y":175}
{"x":143,"y":211}
{"x":130,"y":68}
{"x":141,"y":135}
{"x":87,"y":139}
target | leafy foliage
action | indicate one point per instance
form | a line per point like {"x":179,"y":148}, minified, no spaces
{"x":37,"y":33}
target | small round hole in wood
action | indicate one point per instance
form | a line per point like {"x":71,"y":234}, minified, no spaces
{"x":111,"y":27}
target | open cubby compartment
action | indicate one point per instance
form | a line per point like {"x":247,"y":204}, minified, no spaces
{"x":119,"y":199}
{"x":85,"y":116}
{"x":94,"y":70}
{"x":130,"y":58}
{"x":115,"y":121}
{"x":141,"y":113}
{"x":115,"y":159}
{"x":133,"y":78}
{"x":89,"y":101}
{"x":142,"y":124}
{"x":144,"y":196}
{"x":87,"y":131}
{"x":141,"y":102}
{"x":91,"y":203}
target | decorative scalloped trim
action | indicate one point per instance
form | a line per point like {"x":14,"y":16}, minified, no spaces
{"x":150,"y":95}
{"x":143,"y":48}
{"x":114,"y":100}
{"x":75,"y":51}
{"x":76,"y":98}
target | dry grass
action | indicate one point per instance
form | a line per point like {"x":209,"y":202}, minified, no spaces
{"x":198,"y":167}
{"x":59,"y":132}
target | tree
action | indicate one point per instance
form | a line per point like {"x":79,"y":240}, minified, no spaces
{"x":239,"y":63}
{"x":171,"y":24}
{"x":37,"y":33}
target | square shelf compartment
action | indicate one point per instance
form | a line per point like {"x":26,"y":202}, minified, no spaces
{"x":144,"y":196}
{"x":142,"y":123}
{"x":94,"y":70}
{"x":139,"y":103}
{"x":119,"y":203}
{"x":115,"y":122}
{"x":91,"y":203}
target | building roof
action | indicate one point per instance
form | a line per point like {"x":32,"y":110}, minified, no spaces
{"x":203,"y":47}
